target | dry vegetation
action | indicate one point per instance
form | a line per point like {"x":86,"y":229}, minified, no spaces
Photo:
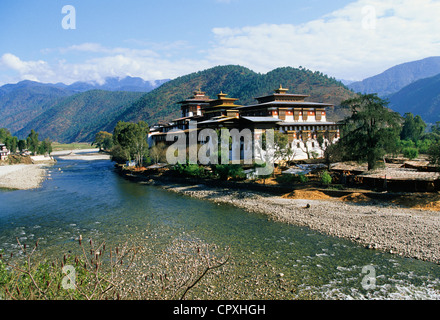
{"x":100,"y":272}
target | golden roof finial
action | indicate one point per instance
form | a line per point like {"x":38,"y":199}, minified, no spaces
{"x":221,"y":94}
{"x":281,"y":90}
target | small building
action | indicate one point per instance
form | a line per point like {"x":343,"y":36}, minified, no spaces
{"x":25,"y":152}
{"x":4,"y":152}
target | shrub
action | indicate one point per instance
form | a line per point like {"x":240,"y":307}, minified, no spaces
{"x":225,"y":171}
{"x":222,"y":171}
{"x":410,"y":153}
{"x":424,"y":146}
{"x":236,"y":172}
{"x":326,"y":178}
{"x":286,"y":178}
{"x":434,"y":153}
{"x":302,"y":178}
{"x":194,"y":170}
{"x":191,"y":170}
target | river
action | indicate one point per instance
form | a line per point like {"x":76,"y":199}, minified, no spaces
{"x":91,"y":199}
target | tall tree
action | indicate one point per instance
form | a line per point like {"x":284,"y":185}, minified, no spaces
{"x":21,"y":145}
{"x":139,"y":143}
{"x":13,"y":144}
{"x":131,"y":139}
{"x":33,"y":142}
{"x":281,"y":146}
{"x":158,"y":152}
{"x":371,"y":131}
{"x":434,"y":153}
{"x":413,"y":127}
{"x":45,"y":146}
{"x":4,"y":133}
{"x":436,"y":128}
{"x":103,"y":140}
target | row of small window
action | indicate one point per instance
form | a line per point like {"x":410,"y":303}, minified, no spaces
{"x":310,"y":128}
{"x":326,"y":144}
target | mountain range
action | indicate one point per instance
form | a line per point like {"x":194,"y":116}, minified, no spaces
{"x":132,"y":84}
{"x":397,"y":77}
{"x":421,"y":97}
{"x":76,"y":112}
{"x":79,"y":117}
{"x":238,"y":82}
{"x":24,"y":101}
{"x":56,"y":112}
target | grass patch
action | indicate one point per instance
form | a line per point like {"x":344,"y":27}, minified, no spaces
{"x":71,"y":146}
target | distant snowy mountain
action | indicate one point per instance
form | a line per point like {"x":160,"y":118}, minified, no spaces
{"x":132,"y":84}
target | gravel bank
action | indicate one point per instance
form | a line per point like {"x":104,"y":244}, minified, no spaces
{"x":408,"y":232}
{"x":86,"y":157}
{"x":21,"y":176}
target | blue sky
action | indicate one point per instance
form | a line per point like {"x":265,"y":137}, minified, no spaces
{"x":165,"y":39}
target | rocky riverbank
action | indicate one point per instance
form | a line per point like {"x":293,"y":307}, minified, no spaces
{"x":407,"y":232}
{"x":22,"y":176}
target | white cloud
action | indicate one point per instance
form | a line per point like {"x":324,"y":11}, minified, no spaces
{"x":129,"y":62}
{"x":31,"y":70}
{"x":98,"y":48}
{"x":339,"y":44}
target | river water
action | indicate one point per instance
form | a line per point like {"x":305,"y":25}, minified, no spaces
{"x":91,"y":199}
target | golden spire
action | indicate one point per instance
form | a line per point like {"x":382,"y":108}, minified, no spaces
{"x":221,"y":95}
{"x":281,"y":90}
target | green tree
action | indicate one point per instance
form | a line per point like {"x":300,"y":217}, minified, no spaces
{"x":334,"y":153}
{"x":8,"y":142}
{"x":371,"y":131}
{"x":4,"y":133}
{"x":21,"y":145}
{"x":45,"y":147}
{"x":13,"y":144}
{"x":103,"y":140}
{"x":158,"y":152}
{"x":225,"y":171}
{"x":132,"y":140}
{"x":326,"y":178}
{"x":410,"y":153}
{"x":434,"y":153}
{"x":320,"y":140}
{"x":413,"y":127}
{"x":33,"y":142}
{"x":281,"y":142}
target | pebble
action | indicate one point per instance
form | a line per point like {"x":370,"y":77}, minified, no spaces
{"x":408,"y":232}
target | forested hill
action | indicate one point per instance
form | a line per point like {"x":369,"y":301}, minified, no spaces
{"x":22,"y":102}
{"x":79,"y":117}
{"x":421,"y":97}
{"x":238,"y":82}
